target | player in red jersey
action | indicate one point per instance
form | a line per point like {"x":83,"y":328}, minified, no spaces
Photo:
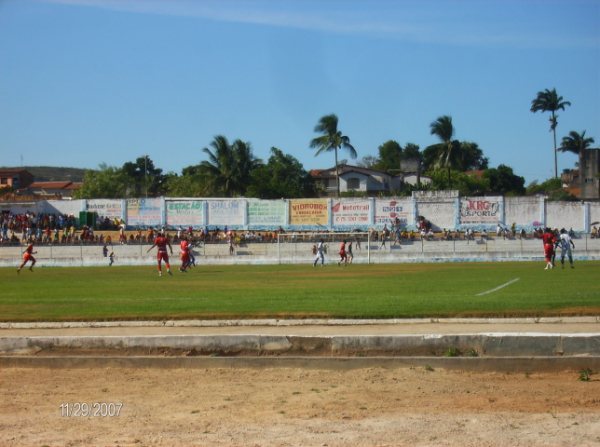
{"x":548,"y":239}
{"x":185,"y":254}
{"x":343,"y":256}
{"x":28,"y":256}
{"x":162,"y":242}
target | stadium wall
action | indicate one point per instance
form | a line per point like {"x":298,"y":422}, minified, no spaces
{"x":416,"y":251}
{"x":444,"y":209}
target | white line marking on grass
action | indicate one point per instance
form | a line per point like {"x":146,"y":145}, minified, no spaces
{"x":501,"y":286}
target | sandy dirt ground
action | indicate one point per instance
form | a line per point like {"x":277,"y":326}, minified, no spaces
{"x":297,"y":407}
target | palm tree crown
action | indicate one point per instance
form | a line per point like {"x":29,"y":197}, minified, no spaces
{"x":228,"y":167}
{"x":550,"y":101}
{"x":444,"y":130}
{"x":331,"y":140}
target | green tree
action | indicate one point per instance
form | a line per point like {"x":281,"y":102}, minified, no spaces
{"x":502,"y":180}
{"x":282,"y":177}
{"x":550,"y":101}
{"x":390,"y":154}
{"x":108,"y":182}
{"x":332,"y":140}
{"x":228,"y":168}
{"x":471,"y":157}
{"x":189,"y":184}
{"x":465,"y":184}
{"x":577,"y":143}
{"x":444,"y":130}
{"x":144,"y":178}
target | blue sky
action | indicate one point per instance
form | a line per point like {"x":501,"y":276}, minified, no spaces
{"x":85,"y":82}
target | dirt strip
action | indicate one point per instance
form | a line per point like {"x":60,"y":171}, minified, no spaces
{"x":418,"y":406}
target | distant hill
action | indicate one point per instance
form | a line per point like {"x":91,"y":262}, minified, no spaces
{"x":52,"y":173}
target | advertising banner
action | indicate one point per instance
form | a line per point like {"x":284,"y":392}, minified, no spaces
{"x":267,"y":212}
{"x":391,"y":212}
{"x":226,"y":212}
{"x":185,"y":213}
{"x":351,"y":212}
{"x":144,"y":212}
{"x":480,"y":210}
{"x":309,"y":212}
{"x":106,"y":208}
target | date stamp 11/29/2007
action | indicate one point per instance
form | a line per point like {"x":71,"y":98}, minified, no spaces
{"x":90,"y":409}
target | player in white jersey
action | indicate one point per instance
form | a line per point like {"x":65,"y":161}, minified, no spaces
{"x":565,"y":243}
{"x":318,"y":250}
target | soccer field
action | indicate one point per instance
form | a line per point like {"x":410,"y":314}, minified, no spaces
{"x":298,"y":291}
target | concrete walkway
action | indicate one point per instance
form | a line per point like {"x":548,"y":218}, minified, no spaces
{"x":484,"y":344}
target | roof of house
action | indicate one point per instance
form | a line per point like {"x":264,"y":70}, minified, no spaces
{"x":343,"y":169}
{"x":14,"y":171}
{"x":51,"y":185}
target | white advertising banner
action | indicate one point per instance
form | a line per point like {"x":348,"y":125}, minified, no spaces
{"x":185,"y":213}
{"x":106,"y":207}
{"x":226,"y":212}
{"x":267,"y":212}
{"x":144,"y":212}
{"x":390,"y":211}
{"x":351,"y":212}
{"x":480,"y":210}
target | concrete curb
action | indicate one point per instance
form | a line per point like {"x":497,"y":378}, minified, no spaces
{"x":294,"y":322}
{"x":433,"y":345}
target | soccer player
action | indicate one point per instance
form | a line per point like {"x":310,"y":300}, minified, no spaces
{"x":319,"y":249}
{"x":548,"y":239}
{"x":343,"y":256}
{"x":565,"y":243}
{"x":28,"y":256}
{"x":162,"y":242}
{"x":184,"y":247}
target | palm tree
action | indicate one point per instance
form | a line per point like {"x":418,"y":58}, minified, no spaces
{"x":228,"y":167}
{"x":331,"y":140}
{"x":444,"y":130}
{"x":577,"y":144}
{"x":550,"y":101}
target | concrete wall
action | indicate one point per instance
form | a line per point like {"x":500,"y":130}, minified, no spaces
{"x":565,"y":215}
{"x":444,"y":209}
{"x":498,"y":249}
{"x":525,"y":212}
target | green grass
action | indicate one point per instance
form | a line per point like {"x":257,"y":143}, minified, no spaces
{"x":300,"y":291}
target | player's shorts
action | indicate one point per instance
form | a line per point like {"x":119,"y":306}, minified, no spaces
{"x":185,"y":258}
{"x":548,"y":251}
{"x":28,"y":257}
{"x":162,"y":256}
